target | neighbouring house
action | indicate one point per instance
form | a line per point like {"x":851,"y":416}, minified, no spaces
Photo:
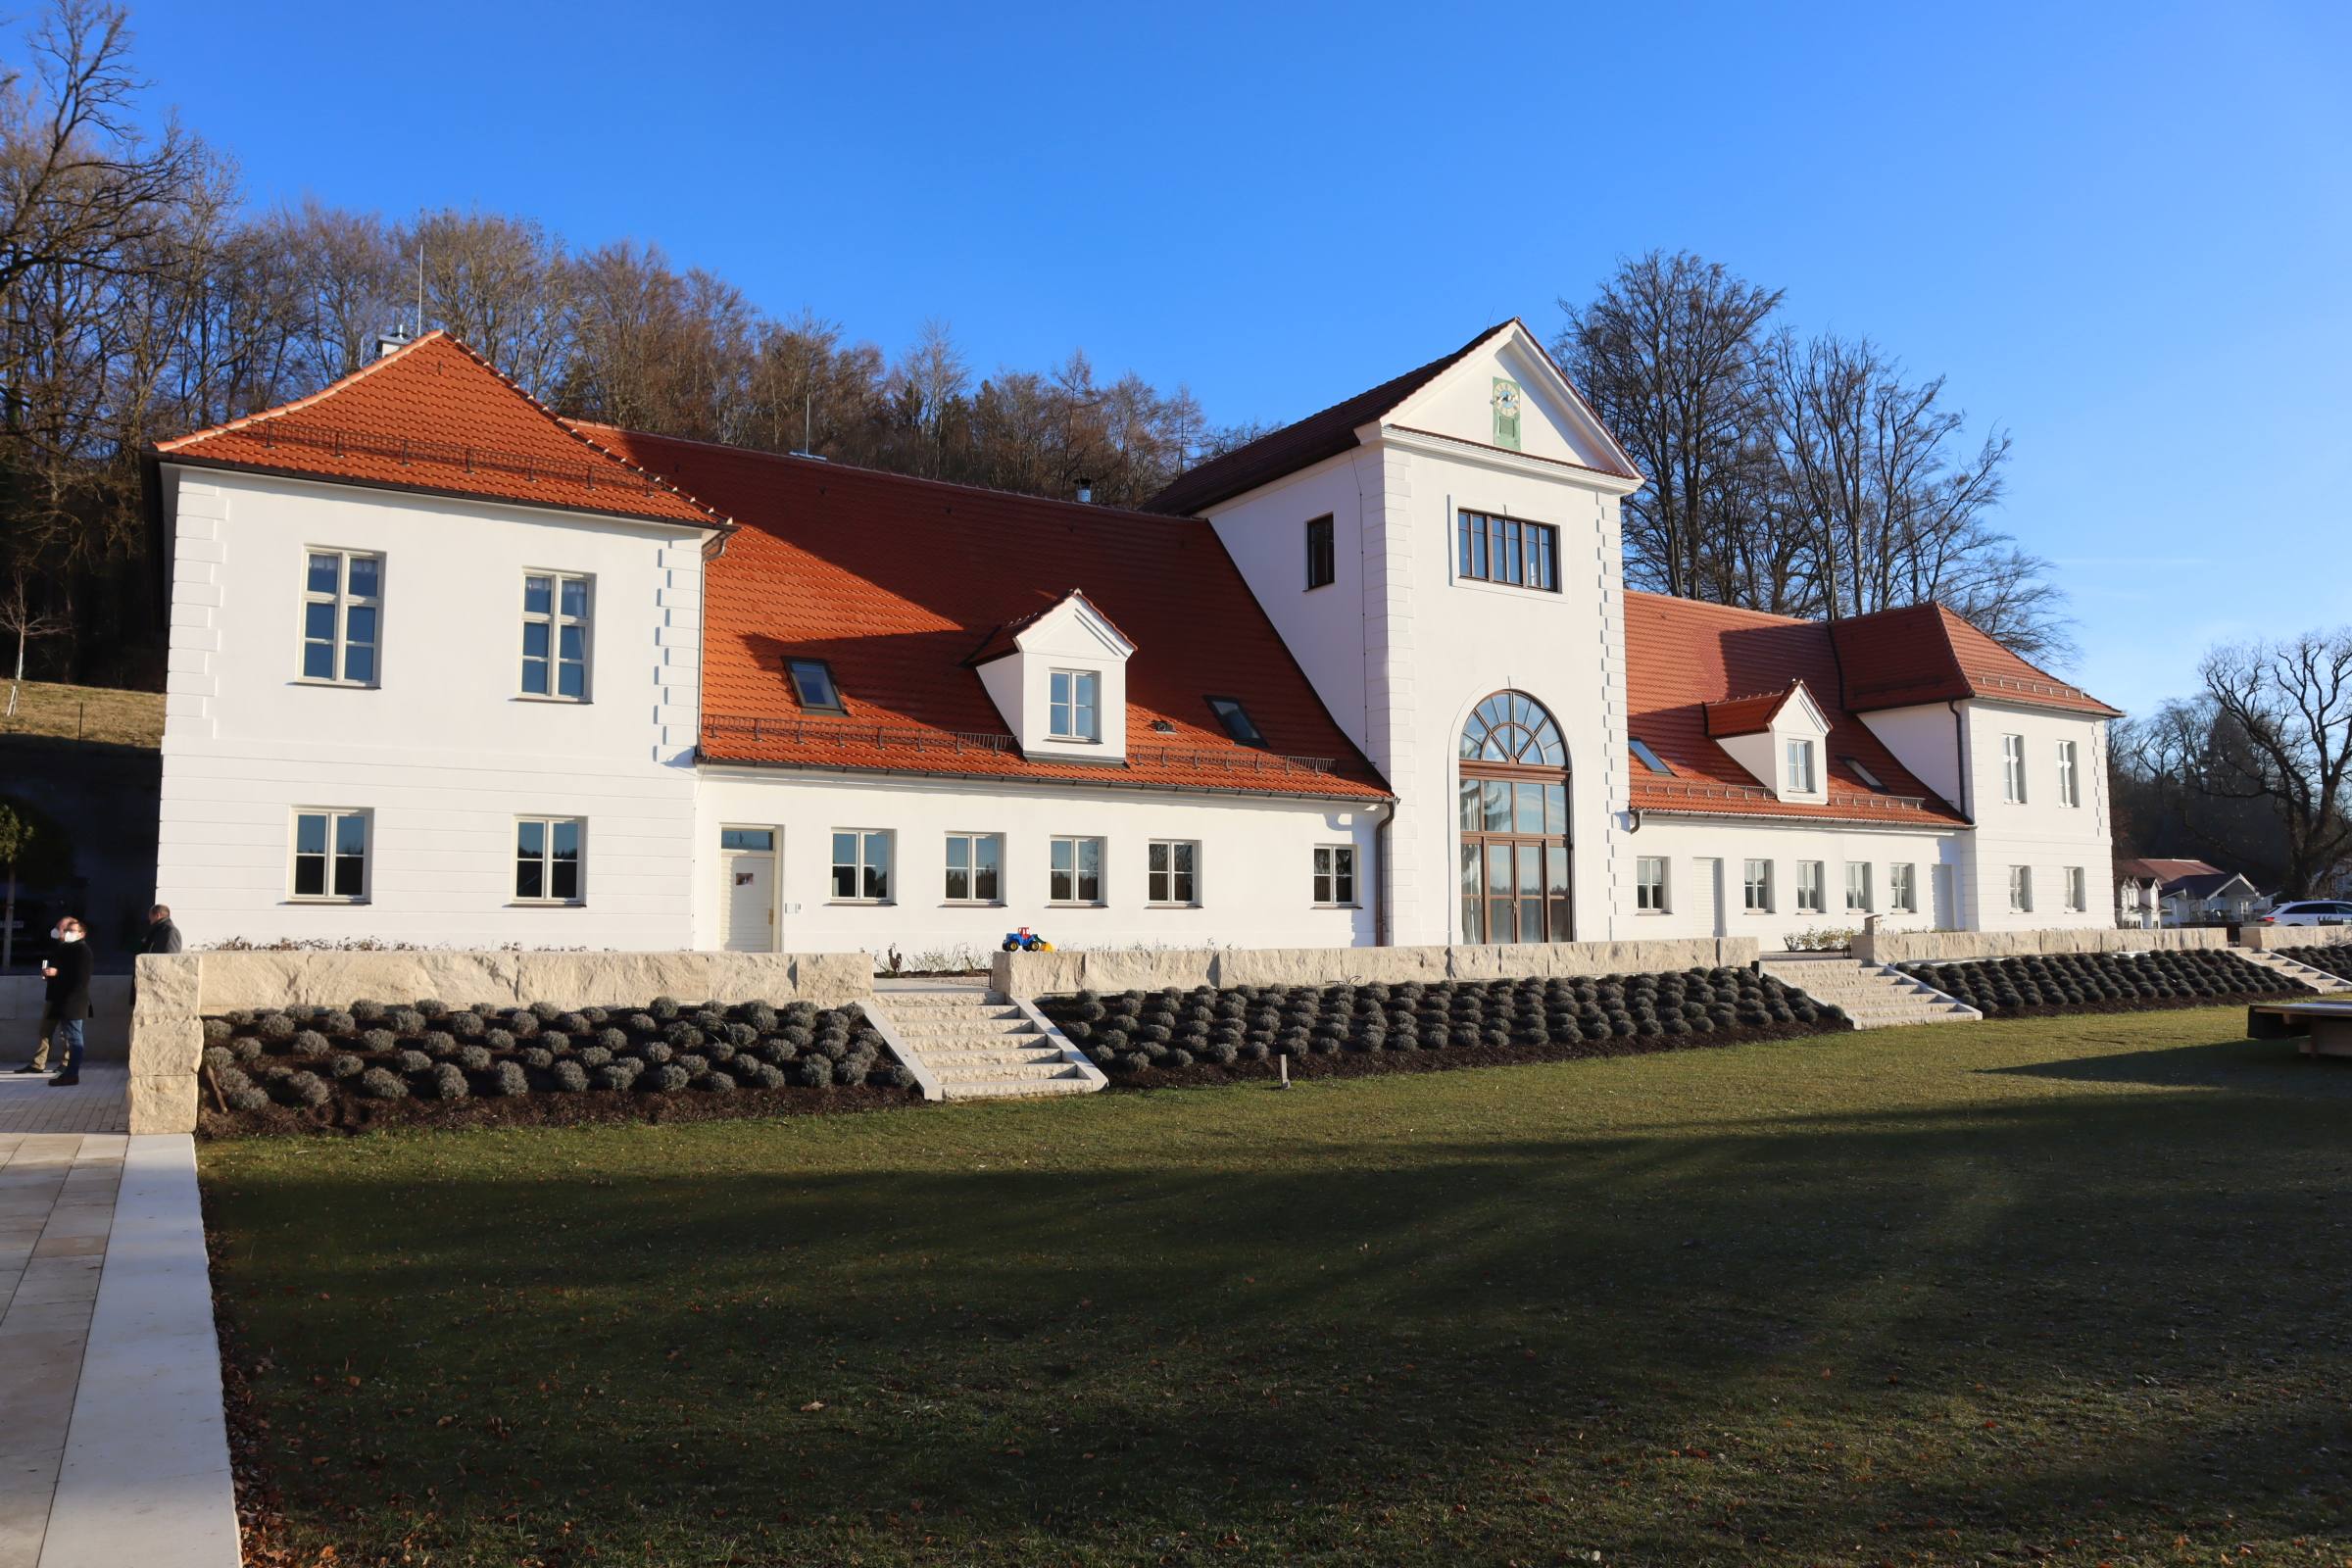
{"x":2173,"y":892}
{"x":449,"y":669}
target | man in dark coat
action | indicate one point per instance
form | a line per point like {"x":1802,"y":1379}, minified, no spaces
{"x":162,"y":935}
{"x":67,"y":998}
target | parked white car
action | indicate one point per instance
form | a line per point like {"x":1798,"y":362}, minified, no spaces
{"x":2308,"y":911}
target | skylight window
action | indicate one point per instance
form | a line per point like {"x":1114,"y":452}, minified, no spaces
{"x":1237,"y":720}
{"x":1864,"y":775}
{"x":813,"y":683}
{"x":1649,"y":758}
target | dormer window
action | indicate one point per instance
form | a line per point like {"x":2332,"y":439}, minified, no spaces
{"x":812,"y":684}
{"x":1237,"y":720}
{"x":1800,"y":767}
{"x":1647,"y":758}
{"x":1074,"y":705}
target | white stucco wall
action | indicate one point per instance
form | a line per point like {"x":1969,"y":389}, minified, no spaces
{"x":1690,"y":847}
{"x":443,"y":750}
{"x":2039,"y":832}
{"x":1254,"y":871}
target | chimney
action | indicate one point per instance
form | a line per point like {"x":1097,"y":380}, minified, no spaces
{"x":1086,"y":490}
{"x":391,"y":338}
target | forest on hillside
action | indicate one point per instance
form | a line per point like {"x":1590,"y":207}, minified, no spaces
{"x":143,"y":294}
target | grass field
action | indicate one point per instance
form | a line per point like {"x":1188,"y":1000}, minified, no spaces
{"x":98,"y":714}
{"x":2069,"y":1290}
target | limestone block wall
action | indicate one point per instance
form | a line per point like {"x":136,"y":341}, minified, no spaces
{"x":2265,"y":938}
{"x":106,"y":1035}
{"x":175,"y":994}
{"x":1931,"y":946}
{"x":1047,"y":974}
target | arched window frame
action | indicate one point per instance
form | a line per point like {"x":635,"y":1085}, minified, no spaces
{"x":1515,"y":871}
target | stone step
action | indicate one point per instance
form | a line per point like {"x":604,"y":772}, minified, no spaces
{"x":1004,"y":1071}
{"x":1015,"y":1088}
{"x":970,"y":1020}
{"x":942,"y":1061}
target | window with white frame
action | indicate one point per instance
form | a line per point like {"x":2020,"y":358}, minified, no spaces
{"x":1076,"y":871}
{"x":1857,"y":887}
{"x":2077,"y":890}
{"x":554,"y":635}
{"x":1169,"y":871}
{"x":1073,"y":707}
{"x":1809,"y":880}
{"x":342,"y":600}
{"x":1649,"y":884}
{"x":1757,"y":895}
{"x":548,"y":859}
{"x":330,"y":856}
{"x":2013,"y":769}
{"x":1902,"y":888}
{"x":861,"y":866}
{"x":2020,"y":888}
{"x":1800,"y":767}
{"x":1335,"y":873}
{"x":975,"y":868}
{"x":2070,"y":776}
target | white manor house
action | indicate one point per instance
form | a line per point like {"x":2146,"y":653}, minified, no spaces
{"x":449,"y":670}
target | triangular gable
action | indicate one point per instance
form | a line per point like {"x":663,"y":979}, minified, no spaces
{"x":1753,"y":716}
{"x":1471,"y":399}
{"x":434,"y":416}
{"x":1037,"y":631}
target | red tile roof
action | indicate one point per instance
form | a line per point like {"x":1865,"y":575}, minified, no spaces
{"x":1006,"y":639}
{"x":899,"y":581}
{"x":1745,"y":716}
{"x":434,"y":416}
{"x":1926,"y":654}
{"x":1681,"y":655}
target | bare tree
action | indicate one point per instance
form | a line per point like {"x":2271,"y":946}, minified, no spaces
{"x":498,"y":283}
{"x":2282,"y":715}
{"x":29,"y":619}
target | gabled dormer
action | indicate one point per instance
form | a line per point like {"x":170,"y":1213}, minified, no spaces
{"x":1059,"y":676}
{"x":1781,"y":738}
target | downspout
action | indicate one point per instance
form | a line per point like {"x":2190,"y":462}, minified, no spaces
{"x":1960,"y":756}
{"x":1381,"y":936}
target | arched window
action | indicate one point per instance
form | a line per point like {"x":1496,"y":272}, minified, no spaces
{"x":1514,"y":824}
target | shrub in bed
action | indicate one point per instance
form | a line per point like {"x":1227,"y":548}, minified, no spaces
{"x":219,"y":1059}
{"x":618,"y":1073}
{"x":594,"y":1057}
{"x":433,"y":1007}
{"x":655,"y":1053}
{"x":245,"y":1048}
{"x":757,"y":1016}
{"x":438,"y":1042}
{"x":215,"y":1031}
{"x":2097,"y":981}
{"x":337,"y":1024}
{"x":346,"y":1065}
{"x":720,"y":1051}
{"x":247,"y":1097}
{"x":667,"y":1079}
{"x":307,"y":1089}
{"x":275,"y":1027}
{"x":737,"y":1034}
{"x":539,"y":1056}
{"x":379,"y":1040}
{"x":799,"y":1037}
{"x":716,"y":1082}
{"x":555,"y":1040}
{"x":574,"y":1023}
{"x":765,"y":1075}
{"x":510,"y":1079}
{"x":473,"y":1058}
{"x":682,"y":1036}
{"x":813,"y":1073}
{"x":694,"y":1062}
{"x":368,"y":1012}
{"x":308,"y":1043}
{"x":523,"y":1023}
{"x":414,"y":1062}
{"x":612,"y":1040}
{"x":498,"y":1039}
{"x":405,"y":1021}
{"x":465,"y":1025}
{"x":664,"y":1008}
{"x":449,"y":1082}
{"x":379,"y":1083}
{"x":568,"y":1077}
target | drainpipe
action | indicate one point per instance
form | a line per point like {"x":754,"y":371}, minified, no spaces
{"x":1381,"y":936}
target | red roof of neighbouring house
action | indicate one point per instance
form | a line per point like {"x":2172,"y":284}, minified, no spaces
{"x":898,"y":582}
{"x":434,"y":416}
{"x":1682,"y":655}
{"x":1327,"y":435}
{"x":1926,"y":654}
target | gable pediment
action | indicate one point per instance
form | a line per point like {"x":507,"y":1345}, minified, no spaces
{"x":1507,"y":393}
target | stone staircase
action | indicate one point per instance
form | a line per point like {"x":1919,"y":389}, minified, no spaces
{"x":2301,"y":973}
{"x":1874,"y":995}
{"x":975,"y":1044}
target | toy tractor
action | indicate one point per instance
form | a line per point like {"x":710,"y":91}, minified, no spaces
{"x":1026,"y":941}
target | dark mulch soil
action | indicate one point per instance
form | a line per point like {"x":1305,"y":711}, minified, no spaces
{"x":351,"y":1114}
{"x":1367,"y":1063}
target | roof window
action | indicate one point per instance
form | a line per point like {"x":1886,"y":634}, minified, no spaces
{"x":1869,"y":778}
{"x":813,"y":683}
{"x":1649,"y":758}
{"x":1235,"y":720}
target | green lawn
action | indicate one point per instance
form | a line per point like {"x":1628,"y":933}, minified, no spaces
{"x":2052,"y":1291}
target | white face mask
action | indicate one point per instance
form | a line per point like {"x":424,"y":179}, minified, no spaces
{"x":69,"y":936}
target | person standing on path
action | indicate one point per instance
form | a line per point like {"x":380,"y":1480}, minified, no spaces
{"x":67,"y":972}
{"x":162,"y":935}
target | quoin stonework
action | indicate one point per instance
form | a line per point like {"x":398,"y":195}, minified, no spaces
{"x":449,"y":670}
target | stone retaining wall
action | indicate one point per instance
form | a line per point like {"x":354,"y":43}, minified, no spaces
{"x":1049,"y":974}
{"x":167,"y":1038}
{"x":106,"y":1035}
{"x":2265,"y":938}
{"x":1932,"y":947}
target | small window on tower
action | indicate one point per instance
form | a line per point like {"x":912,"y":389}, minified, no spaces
{"x":812,"y":684}
{"x":1235,"y":720}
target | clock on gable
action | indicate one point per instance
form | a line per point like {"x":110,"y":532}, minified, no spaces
{"x":1506,"y":412}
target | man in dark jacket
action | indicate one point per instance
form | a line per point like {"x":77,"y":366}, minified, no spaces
{"x":162,"y":935}
{"x":67,"y":998}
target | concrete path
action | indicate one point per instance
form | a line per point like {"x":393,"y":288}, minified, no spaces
{"x":99,"y":1103}
{"x":113,"y":1448}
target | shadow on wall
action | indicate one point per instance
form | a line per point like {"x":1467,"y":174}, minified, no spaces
{"x":104,"y":798}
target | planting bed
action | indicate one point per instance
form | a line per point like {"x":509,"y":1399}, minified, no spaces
{"x":297,"y":1070}
{"x":1205,"y":1035}
{"x":2336,"y":959}
{"x":2102,"y":982}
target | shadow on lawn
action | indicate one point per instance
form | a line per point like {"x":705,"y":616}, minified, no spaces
{"x":2253,"y":1066}
{"x":2020,"y":1320}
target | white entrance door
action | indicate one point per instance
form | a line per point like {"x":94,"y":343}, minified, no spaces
{"x":747,"y":904}
{"x":1948,"y":907}
{"x":1706,"y":896}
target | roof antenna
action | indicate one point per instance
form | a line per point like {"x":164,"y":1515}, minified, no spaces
{"x":421,"y":288}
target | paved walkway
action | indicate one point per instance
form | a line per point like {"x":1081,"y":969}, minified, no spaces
{"x":113,"y":1448}
{"x":96,"y":1104}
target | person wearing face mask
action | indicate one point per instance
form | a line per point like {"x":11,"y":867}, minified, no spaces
{"x":68,"y":1002}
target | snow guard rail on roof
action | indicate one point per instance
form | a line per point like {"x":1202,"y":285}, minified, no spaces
{"x":915,"y":740}
{"x":613,"y":472}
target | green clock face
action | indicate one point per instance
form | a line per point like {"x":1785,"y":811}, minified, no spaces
{"x":1506,"y":397}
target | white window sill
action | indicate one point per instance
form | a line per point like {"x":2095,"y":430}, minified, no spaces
{"x":1077,"y":903}
{"x":863,"y":903}
{"x":967,"y":904}
{"x":1164,"y":904}
{"x":547,"y":904}
{"x":559,"y":701}
{"x":1490,"y":585}
{"x":322,"y":897}
{"x":1336,"y":906}
{"x":337,"y":685}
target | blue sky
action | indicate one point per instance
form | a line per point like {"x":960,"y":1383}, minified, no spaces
{"x":2123,"y":232}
